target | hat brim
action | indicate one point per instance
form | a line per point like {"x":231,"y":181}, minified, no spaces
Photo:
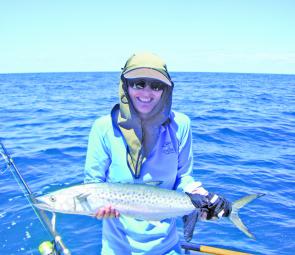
{"x":144,"y":72}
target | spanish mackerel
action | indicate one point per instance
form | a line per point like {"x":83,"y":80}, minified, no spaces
{"x":140,"y":201}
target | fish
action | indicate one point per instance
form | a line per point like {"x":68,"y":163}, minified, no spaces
{"x":139,"y":201}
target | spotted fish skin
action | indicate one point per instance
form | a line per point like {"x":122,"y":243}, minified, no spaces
{"x":139,"y":201}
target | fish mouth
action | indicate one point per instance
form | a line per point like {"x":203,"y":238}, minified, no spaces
{"x":38,"y":203}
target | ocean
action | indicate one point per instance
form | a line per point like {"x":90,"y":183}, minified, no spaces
{"x":243,"y":129}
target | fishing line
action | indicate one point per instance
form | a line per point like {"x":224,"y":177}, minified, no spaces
{"x":9,"y":163}
{"x":41,"y":215}
{"x":5,"y":162}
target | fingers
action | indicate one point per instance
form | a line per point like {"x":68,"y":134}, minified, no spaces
{"x":200,"y":191}
{"x":107,"y":212}
{"x":203,"y":215}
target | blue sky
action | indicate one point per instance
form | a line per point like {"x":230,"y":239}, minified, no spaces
{"x":202,"y":36}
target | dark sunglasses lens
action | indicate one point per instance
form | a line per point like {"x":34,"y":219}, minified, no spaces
{"x":138,"y":84}
{"x":157,"y":86}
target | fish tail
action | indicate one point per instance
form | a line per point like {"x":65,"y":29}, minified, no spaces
{"x":234,"y":216}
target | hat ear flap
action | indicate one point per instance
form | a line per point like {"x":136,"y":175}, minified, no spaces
{"x":124,"y":82}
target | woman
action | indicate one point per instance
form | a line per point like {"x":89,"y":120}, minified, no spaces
{"x":141,"y":141}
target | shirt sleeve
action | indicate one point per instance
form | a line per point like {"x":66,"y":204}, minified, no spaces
{"x":97,"y":158}
{"x":185,"y":156}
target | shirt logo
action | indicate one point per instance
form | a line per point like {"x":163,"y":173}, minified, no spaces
{"x":168,"y":148}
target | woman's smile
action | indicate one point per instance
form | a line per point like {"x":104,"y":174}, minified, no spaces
{"x":144,"y":100}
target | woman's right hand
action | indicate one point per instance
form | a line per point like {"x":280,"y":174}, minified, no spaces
{"x":107,"y":212}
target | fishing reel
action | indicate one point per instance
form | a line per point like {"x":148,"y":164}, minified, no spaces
{"x":51,"y":248}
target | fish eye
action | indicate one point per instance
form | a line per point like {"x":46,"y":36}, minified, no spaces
{"x":52,"y":199}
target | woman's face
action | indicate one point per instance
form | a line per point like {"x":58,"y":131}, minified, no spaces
{"x":145,"y":94}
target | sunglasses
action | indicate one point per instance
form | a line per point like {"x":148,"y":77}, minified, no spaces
{"x":141,"y":84}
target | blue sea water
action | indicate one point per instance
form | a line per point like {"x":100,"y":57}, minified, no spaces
{"x":244,"y":142}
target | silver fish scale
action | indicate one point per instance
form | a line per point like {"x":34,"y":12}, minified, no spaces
{"x":141,"y":201}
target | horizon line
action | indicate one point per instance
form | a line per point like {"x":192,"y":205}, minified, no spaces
{"x":227,"y":72}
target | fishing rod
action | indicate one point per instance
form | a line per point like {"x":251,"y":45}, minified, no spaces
{"x":46,"y":247}
{"x":209,"y":249}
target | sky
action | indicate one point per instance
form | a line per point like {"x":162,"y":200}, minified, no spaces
{"x":253,"y":36}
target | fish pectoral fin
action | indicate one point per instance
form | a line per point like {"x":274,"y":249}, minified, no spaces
{"x":82,"y":196}
{"x":83,"y":201}
{"x":189,"y":222}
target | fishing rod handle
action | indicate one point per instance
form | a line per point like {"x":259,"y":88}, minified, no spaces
{"x":219,"y":251}
{"x":210,"y":249}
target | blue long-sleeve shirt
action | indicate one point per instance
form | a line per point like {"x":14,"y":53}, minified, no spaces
{"x":170,"y":163}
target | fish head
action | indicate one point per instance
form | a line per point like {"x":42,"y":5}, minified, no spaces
{"x":58,"y":201}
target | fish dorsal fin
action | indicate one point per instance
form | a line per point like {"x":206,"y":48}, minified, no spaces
{"x":150,"y":183}
{"x":153,"y":183}
{"x":189,"y":222}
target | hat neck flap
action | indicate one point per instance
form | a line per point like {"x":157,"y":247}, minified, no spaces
{"x":140,"y":135}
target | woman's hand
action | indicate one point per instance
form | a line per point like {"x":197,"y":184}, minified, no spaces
{"x":211,"y":205}
{"x":107,"y":212}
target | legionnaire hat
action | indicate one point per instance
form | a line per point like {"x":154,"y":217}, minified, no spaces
{"x":146,"y":65}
